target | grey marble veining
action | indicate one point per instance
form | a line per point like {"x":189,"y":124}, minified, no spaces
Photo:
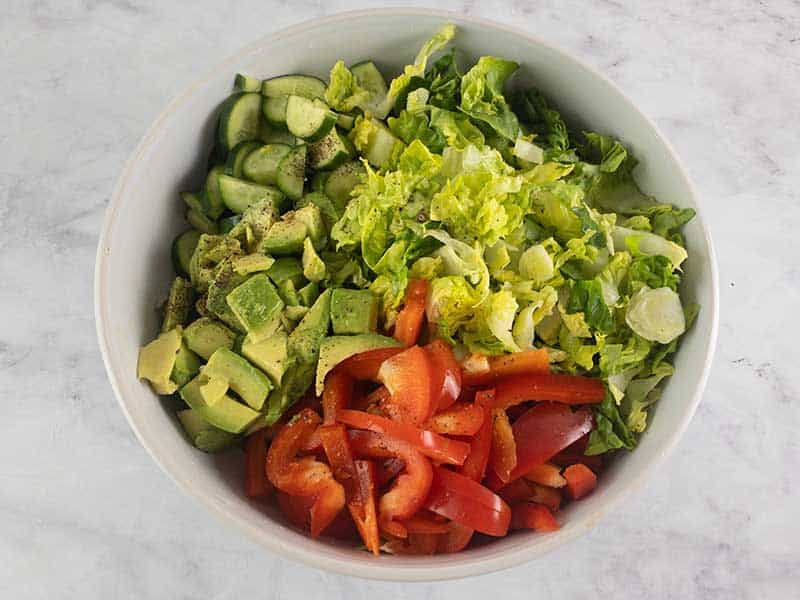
{"x":85,"y":513}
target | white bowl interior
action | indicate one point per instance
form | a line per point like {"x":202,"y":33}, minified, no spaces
{"x":134,"y":269}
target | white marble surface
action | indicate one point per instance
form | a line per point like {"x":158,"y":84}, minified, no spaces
{"x":85,"y":513}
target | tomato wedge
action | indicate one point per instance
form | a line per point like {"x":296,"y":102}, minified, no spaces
{"x":529,"y":362}
{"x":256,"y":484}
{"x":364,"y":365}
{"x":533,"y":516}
{"x":580,"y":480}
{"x":567,"y":389}
{"x":336,"y":394}
{"x":445,"y":375}
{"x":437,"y":447}
{"x":407,"y":376}
{"x":503,"y":457}
{"x":409,"y":490}
{"x":304,"y":476}
{"x":462,"y":418}
{"x":409,"y":320}
{"x":480,"y":447}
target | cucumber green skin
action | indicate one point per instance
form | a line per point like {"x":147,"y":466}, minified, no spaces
{"x":310,"y":120}
{"x":291,"y":172}
{"x":198,"y":202}
{"x":341,"y":182}
{"x":214,"y":204}
{"x":245,"y":83}
{"x":201,"y":222}
{"x":228,"y":223}
{"x":182,"y":249}
{"x":318,"y":181}
{"x":236,"y":158}
{"x":274,"y":109}
{"x":271,"y":135}
{"x":330,"y":152}
{"x":238,"y":194}
{"x":307,"y":86}
{"x":262,"y":164}
{"x":239,"y":118}
{"x":345,"y":121}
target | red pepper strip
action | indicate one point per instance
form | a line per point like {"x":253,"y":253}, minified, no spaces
{"x":337,"y":393}
{"x":529,"y":362}
{"x":417,"y":544}
{"x":517,"y":491}
{"x":567,"y":389}
{"x":533,"y":516}
{"x":575,"y":453}
{"x":386,"y":471}
{"x":504,"y":448}
{"x":409,"y":320}
{"x":256,"y":484}
{"x":580,"y":481}
{"x":461,"y":418}
{"x":480,"y":447}
{"x":445,"y":375}
{"x":547,"y":474}
{"x":365,"y":365}
{"x":407,"y":376}
{"x":437,"y":447}
{"x":364,"y":511}
{"x":422,"y":523}
{"x":455,"y":540}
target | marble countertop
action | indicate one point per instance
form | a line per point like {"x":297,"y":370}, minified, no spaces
{"x":85,"y":513}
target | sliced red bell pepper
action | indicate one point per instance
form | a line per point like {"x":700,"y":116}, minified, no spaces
{"x":409,"y":490}
{"x":417,"y":544}
{"x":364,"y":366}
{"x":437,"y":447}
{"x":445,"y":375}
{"x":298,"y":511}
{"x":515,"y":492}
{"x":461,"y":418}
{"x":256,"y":484}
{"x":336,"y":394}
{"x":424,"y":523}
{"x":580,"y":480}
{"x":474,"y":466}
{"x":304,"y":476}
{"x":455,"y":540}
{"x":541,"y":494}
{"x":503,"y":457}
{"x":533,"y":516}
{"x":387,"y":470}
{"x":364,"y":509}
{"x":409,"y":320}
{"x":546,"y":474}
{"x":467,"y":502}
{"x":575,"y":453}
{"x":567,"y":389}
{"x":529,"y":362}
{"x":407,"y":376}
{"x":336,"y":444}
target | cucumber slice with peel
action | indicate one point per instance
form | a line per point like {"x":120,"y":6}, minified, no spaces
{"x":182,"y":249}
{"x":369,"y":77}
{"x":341,"y":182}
{"x":296,"y":85}
{"x":201,"y":222}
{"x":330,"y":152}
{"x":274,"y":109}
{"x":238,"y":194}
{"x":292,"y":172}
{"x":261,"y":165}
{"x":309,"y":119}
{"x":239,"y":119}
{"x":214,"y":204}
{"x":245,"y":83}
{"x":236,"y":158}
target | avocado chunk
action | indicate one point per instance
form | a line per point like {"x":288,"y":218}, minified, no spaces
{"x":254,"y":224}
{"x":354,"y":311}
{"x":269,"y":355}
{"x":286,"y":236}
{"x":315,"y":225}
{"x":178,"y":305}
{"x":313,"y":267}
{"x":308,"y":293}
{"x":288,"y":293}
{"x":225,"y":280}
{"x":335,"y":349}
{"x":252,"y":263}
{"x":304,"y":341}
{"x":209,"y":252}
{"x":205,"y":335}
{"x":226,"y":413}
{"x":203,"y":435}
{"x":187,"y":365}
{"x":287,"y":268}
{"x":297,"y":379}
{"x":257,"y":305}
{"x":249,"y":383}
{"x":295,"y":313}
{"x":213,"y":389}
{"x":326,"y":208}
{"x":157,"y":359}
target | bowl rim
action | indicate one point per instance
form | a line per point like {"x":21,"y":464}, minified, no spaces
{"x":380,"y":570}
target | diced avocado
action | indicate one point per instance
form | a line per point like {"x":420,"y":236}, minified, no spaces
{"x":157,"y":359}
{"x":326,"y":208}
{"x":288,"y":293}
{"x":298,"y":378}
{"x":187,"y":365}
{"x":335,"y":349}
{"x":257,"y":305}
{"x":295,"y":313}
{"x":286,"y":236}
{"x":269,"y":355}
{"x":252,"y":263}
{"x":249,"y":383}
{"x":205,"y":335}
{"x":315,"y":226}
{"x":287,"y":268}
{"x":210,"y":251}
{"x":203,"y":435}
{"x":213,"y":389}
{"x":257,"y":219}
{"x":178,"y":305}
{"x":354,"y":311}
{"x":224,"y":281}
{"x":226,"y":413}
{"x":308,"y":293}
{"x":228,"y":223}
{"x":313,"y":267}
{"x":304,"y":341}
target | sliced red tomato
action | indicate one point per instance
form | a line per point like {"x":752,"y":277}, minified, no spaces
{"x":437,"y":447}
{"x":503,"y":457}
{"x":533,"y":516}
{"x":474,"y":466}
{"x":529,"y":362}
{"x":445,"y":375}
{"x":409,"y":320}
{"x":424,"y":523}
{"x":256,"y":484}
{"x":409,"y":490}
{"x":363,"y":509}
{"x":304,"y":476}
{"x":467,"y":502}
{"x":365,"y":365}
{"x":580,"y":480}
{"x":461,"y":418}
{"x":546,"y":474}
{"x":336,"y":394}
{"x":455,"y":540}
{"x":567,"y":389}
{"x":407,"y":376}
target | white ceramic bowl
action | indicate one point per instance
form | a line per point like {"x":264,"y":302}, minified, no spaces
{"x":133,"y":270}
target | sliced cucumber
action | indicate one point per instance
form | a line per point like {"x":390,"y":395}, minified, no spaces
{"x":262,"y":164}
{"x":274,"y":109}
{"x":198,"y":202}
{"x":239,"y":119}
{"x":228,"y":223}
{"x":236,"y":158}
{"x":381,"y":145}
{"x":318,"y":181}
{"x":215,"y":206}
{"x":292,"y":172}
{"x":245,"y":83}
{"x":345,"y":121}
{"x":309,"y":119}
{"x":182,"y":249}
{"x":238,"y":194}
{"x":342,"y":181}
{"x":294,"y":85}
{"x":272,"y":135}
{"x":330,"y":152}
{"x":201,"y":222}
{"x":369,"y":77}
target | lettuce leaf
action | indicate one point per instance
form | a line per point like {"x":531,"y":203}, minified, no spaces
{"x":586,"y":296}
{"x":456,"y":128}
{"x":410,"y":126}
{"x":343,"y":92}
{"x":482,"y":95}
{"x":489,"y":330}
{"x":546,"y":123}
{"x":611,"y":432}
